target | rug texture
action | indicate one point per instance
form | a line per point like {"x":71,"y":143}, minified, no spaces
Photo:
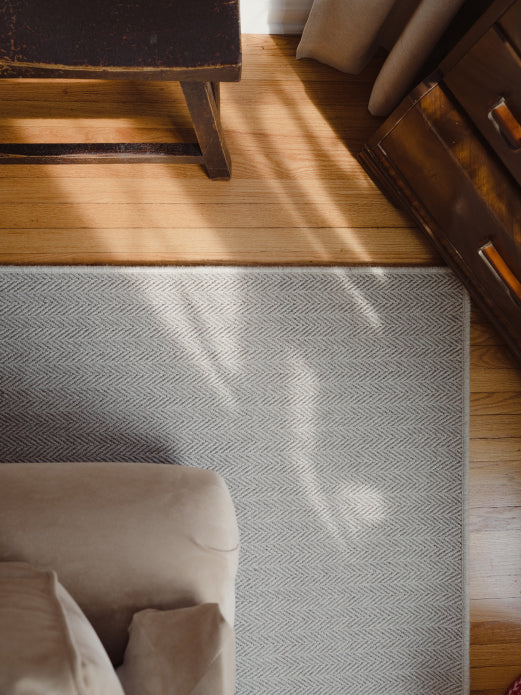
{"x":334,"y":403}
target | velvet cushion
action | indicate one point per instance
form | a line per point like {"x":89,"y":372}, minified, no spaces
{"x":123,"y":537}
{"x":190,"y":651}
{"x":46,"y":643}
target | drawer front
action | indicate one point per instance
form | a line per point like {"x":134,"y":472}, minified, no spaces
{"x":465,"y":200}
{"x":487,"y":84}
{"x":510,"y":25}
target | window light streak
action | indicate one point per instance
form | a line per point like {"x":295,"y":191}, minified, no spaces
{"x":355,"y":506}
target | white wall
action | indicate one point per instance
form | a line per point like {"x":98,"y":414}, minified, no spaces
{"x":274,"y":16}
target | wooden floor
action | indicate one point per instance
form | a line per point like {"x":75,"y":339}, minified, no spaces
{"x":297,"y":196}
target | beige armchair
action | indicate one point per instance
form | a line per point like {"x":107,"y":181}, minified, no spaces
{"x":147,"y":547}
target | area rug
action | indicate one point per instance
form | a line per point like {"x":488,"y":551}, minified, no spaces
{"x":334,"y":403}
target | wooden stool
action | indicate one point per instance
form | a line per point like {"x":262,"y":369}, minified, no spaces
{"x":194,"y":42}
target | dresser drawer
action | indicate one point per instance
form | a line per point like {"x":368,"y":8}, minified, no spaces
{"x":510,"y":25}
{"x":450,"y":155}
{"x":487,"y":84}
{"x":462,"y":197}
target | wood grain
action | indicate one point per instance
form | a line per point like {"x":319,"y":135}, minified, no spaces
{"x":504,"y":479}
{"x":290,"y":245}
{"x":297,"y":196}
{"x":496,"y":403}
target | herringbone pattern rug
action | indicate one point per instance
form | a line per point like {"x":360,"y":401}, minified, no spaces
{"x":333,"y":401}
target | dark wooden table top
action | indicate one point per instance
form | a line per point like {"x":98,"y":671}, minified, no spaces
{"x":137,"y":33}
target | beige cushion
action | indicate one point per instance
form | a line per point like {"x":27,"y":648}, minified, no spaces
{"x":123,"y":537}
{"x":190,"y":651}
{"x":346,"y":34}
{"x":46,"y":643}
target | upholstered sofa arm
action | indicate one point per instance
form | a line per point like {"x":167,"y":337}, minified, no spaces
{"x":123,"y":537}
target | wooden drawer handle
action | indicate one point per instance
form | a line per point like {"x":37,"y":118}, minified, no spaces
{"x":506,"y":123}
{"x":501,"y":270}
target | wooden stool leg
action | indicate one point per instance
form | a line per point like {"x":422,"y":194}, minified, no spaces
{"x":216,"y":86}
{"x":200,"y":97}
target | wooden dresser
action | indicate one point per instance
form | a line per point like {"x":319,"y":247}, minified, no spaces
{"x":450,"y":154}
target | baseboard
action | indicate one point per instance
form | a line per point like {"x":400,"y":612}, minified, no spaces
{"x":274,"y":16}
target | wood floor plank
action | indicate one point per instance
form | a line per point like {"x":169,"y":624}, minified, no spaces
{"x":497,"y":654}
{"x":100,"y":130}
{"x":495,"y":554}
{"x":492,"y":357}
{"x":496,"y":519}
{"x":495,"y":426}
{"x":482,"y":332}
{"x":362,"y":212}
{"x":294,"y":245}
{"x":274,"y":58}
{"x":492,"y":677}
{"x":494,"y":622}
{"x":173,"y":190}
{"x":251,"y":101}
{"x":495,"y":403}
{"x":496,"y":485}
{"x":504,"y":610}
{"x":492,"y":632}
{"x":495,"y":586}
{"x":495,"y":450}
{"x":483,"y":380}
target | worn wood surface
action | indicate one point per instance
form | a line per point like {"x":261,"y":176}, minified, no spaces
{"x":461,"y":194}
{"x":92,"y":153}
{"x":143,"y":34}
{"x":297,"y":196}
{"x":204,"y":110}
{"x":196,"y":43}
{"x":491,"y":71}
{"x":510,"y":25}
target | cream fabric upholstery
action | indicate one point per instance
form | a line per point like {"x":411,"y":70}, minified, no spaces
{"x":123,"y":537}
{"x":46,"y":643}
{"x":346,"y":34}
{"x":189,"y":651}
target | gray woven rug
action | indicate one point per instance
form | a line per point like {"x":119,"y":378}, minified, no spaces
{"x":332,"y":400}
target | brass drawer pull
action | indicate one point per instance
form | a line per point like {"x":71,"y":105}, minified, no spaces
{"x":501,"y":270}
{"x":507,"y":124}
